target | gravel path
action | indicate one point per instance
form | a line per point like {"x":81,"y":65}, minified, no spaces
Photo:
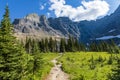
{"x":56,"y":72}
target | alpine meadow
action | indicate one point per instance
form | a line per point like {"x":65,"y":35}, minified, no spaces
{"x":60,"y":40}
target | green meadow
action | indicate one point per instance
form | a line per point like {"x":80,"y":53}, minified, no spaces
{"x":88,"y":65}
{"x":43,"y":67}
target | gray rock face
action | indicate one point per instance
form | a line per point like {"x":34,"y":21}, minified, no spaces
{"x":65,"y":26}
{"x":34,"y":26}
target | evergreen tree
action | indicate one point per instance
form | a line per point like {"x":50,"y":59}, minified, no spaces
{"x":56,"y":46}
{"x":42,"y":45}
{"x":115,"y":48}
{"x":92,"y":63}
{"x":37,"y":58}
{"x":37,"y":63}
{"x":70,"y":44}
{"x":46,"y":45}
{"x":62,"y":45}
{"x":116,"y":72}
{"x":51,"y":45}
{"x":82,"y":47}
{"x":28,"y":45}
{"x":11,"y":54}
{"x":110,"y":60}
{"x":76,"y":45}
{"x":93,"y":47}
{"x":35,"y":48}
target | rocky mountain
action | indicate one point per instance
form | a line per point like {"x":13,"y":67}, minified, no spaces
{"x":34,"y":26}
{"x":40,"y":27}
{"x":112,"y":29}
{"x":102,"y":29}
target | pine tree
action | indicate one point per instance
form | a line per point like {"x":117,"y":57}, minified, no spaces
{"x":110,"y":60}
{"x":35,"y":48}
{"x":76,"y":44}
{"x":116,"y":72}
{"x":62,"y":45}
{"x":42,"y":45}
{"x":51,"y":45}
{"x":46,"y":45}
{"x":37,"y":63}
{"x":82,"y":47}
{"x":11,"y":54}
{"x":56,"y":46}
{"x":92,"y":63}
{"x":70,"y":44}
{"x":37,"y":59}
{"x":28,"y":45}
{"x":115,"y":48}
{"x":94,"y":47}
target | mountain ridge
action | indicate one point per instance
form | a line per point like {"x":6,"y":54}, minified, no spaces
{"x":85,"y":31}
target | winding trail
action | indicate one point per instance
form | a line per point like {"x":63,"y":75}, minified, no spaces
{"x":56,"y":72}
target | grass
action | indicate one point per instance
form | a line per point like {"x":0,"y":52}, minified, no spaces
{"x":44,"y":66}
{"x":47,"y":57}
{"x":88,"y":65}
{"x":79,"y":65}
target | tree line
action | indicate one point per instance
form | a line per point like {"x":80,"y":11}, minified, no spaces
{"x":104,"y":46}
{"x":52,"y":45}
{"x":68,"y":45}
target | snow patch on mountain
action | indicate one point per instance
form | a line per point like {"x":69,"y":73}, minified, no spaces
{"x":112,"y":30}
{"x":108,"y":37}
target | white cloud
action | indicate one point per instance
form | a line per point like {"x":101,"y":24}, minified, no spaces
{"x":90,"y":10}
{"x":42,"y":7}
{"x":48,"y":14}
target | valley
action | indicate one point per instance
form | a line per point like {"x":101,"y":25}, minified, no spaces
{"x":38,"y":47}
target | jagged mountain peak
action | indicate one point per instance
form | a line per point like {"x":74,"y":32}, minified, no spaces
{"x":34,"y":26}
{"x":32,"y":17}
{"x":43,"y":18}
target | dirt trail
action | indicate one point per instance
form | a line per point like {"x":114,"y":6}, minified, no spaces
{"x":56,"y":72}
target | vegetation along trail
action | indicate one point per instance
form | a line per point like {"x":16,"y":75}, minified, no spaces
{"x":56,"y":72}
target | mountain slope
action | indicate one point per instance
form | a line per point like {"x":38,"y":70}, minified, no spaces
{"x":34,"y":26}
{"x":112,"y":29}
{"x":40,"y":27}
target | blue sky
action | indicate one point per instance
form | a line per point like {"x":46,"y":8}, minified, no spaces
{"x":20,"y":8}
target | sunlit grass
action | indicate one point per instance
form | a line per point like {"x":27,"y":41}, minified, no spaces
{"x":81,"y":66}
{"x":45,"y":66}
